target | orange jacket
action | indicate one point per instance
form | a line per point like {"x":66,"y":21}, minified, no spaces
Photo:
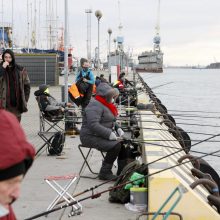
{"x":73,"y":90}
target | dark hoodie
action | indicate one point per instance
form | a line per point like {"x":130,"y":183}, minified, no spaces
{"x":12,"y":64}
{"x":46,"y":101}
{"x":13,"y":79}
{"x":14,"y":85}
{"x":16,"y":154}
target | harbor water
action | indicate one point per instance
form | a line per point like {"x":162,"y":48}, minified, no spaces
{"x":195,"y":90}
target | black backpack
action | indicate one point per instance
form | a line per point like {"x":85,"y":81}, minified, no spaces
{"x":56,"y":143}
{"x":122,"y":195}
{"x":81,"y":85}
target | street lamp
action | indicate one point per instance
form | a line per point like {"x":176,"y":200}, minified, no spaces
{"x":115,"y":53}
{"x":98,"y":14}
{"x":109,"y":54}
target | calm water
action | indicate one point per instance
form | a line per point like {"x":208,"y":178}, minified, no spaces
{"x":192,"y":90}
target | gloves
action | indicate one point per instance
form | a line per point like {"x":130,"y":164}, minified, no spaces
{"x":112,"y":136}
{"x":120,"y":132}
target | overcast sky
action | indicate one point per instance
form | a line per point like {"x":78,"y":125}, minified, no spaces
{"x":189,"y":29}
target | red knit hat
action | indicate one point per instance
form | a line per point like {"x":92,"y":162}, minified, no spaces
{"x":16,"y":153}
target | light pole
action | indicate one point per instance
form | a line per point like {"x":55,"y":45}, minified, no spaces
{"x":98,"y":14}
{"x":115,"y":54}
{"x":109,"y":54}
{"x":66,"y":49}
{"x":88,"y":12}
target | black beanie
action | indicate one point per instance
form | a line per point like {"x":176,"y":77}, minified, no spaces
{"x":13,"y":171}
{"x":16,"y":170}
{"x":43,"y":87}
{"x":82,"y":61}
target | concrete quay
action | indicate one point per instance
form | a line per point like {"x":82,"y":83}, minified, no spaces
{"x":36,"y":195}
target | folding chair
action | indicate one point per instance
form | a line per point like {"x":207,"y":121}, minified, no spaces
{"x":86,"y":162}
{"x":48,"y":121}
{"x":50,"y":124}
{"x":62,"y":192}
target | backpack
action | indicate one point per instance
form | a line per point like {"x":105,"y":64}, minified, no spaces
{"x":56,"y":143}
{"x":81,"y":85}
{"x":122,"y":195}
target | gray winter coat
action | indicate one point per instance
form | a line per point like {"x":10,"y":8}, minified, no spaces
{"x":98,"y":122}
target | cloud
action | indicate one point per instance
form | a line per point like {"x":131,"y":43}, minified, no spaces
{"x":189,"y":29}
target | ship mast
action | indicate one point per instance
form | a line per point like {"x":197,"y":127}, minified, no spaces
{"x":156,"y":39}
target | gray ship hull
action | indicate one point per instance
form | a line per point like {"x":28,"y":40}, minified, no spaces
{"x":150,"y":62}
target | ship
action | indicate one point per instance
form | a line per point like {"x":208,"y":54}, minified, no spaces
{"x":152,"y":61}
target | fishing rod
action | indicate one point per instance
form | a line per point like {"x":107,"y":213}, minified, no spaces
{"x":159,"y":93}
{"x":190,"y":132}
{"x":155,"y":87}
{"x":138,"y":141}
{"x":181,"y":115}
{"x":97,"y":195}
{"x":166,"y":146}
{"x":177,"y":140}
{"x":151,"y":77}
{"x":193,"y":111}
{"x":203,"y":125}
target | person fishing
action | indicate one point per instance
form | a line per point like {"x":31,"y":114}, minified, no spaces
{"x":16,"y":157}
{"x":85,"y":81}
{"x":51,"y":107}
{"x":99,"y":130}
{"x":122,"y":82}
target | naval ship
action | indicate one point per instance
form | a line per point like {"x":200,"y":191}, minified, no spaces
{"x":152,"y":61}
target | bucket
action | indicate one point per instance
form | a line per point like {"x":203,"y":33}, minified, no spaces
{"x":138,"y":196}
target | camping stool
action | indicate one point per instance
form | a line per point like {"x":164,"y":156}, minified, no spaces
{"x":86,"y":162}
{"x":62,"y":192}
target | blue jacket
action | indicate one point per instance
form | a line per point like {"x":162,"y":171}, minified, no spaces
{"x":89,"y":73}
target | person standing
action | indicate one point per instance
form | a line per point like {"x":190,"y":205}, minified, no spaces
{"x":14,"y":85}
{"x":85,"y":81}
{"x":16,"y":157}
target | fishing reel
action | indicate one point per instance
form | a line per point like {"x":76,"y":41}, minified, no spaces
{"x":135,"y":132}
{"x":133,"y":149}
{"x":75,"y":212}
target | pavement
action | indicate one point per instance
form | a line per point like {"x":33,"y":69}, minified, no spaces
{"x":36,"y":195}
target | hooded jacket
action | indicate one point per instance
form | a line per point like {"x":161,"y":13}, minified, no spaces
{"x":47,"y":102}
{"x":16,"y":154}
{"x":98,"y":121}
{"x":22,"y":81}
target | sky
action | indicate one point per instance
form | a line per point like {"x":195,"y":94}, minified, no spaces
{"x":189,"y":29}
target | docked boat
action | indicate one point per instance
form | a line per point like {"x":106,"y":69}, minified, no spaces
{"x":152,"y":61}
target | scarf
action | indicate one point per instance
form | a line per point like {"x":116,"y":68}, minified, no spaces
{"x":110,"y":106}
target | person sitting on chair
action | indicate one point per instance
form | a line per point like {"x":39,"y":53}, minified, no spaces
{"x":103,"y":79}
{"x":122,"y":83}
{"x":99,"y":130}
{"x":51,"y":107}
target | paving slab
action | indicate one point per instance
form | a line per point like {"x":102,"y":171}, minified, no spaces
{"x":36,"y":194}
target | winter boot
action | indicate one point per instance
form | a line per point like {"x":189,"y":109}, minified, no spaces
{"x":105,"y":172}
{"x":121,"y":165}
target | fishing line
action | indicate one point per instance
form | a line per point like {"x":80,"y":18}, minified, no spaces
{"x":97,"y":195}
